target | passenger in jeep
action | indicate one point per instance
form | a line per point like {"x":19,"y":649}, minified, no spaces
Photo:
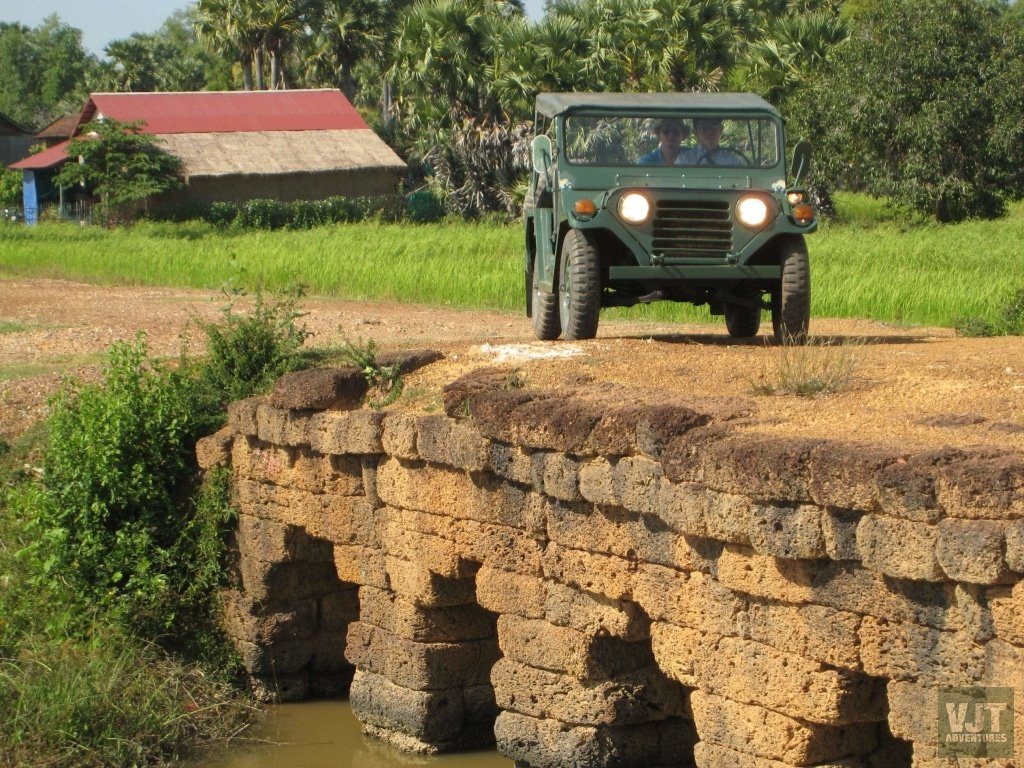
{"x":671,"y":133}
{"x":709,"y":150}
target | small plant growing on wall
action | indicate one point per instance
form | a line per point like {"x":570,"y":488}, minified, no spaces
{"x":385,"y":381}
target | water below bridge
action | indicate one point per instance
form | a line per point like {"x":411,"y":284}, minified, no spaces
{"x":326,"y":734}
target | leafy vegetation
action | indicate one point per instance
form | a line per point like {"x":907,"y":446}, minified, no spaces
{"x":118,"y":466}
{"x":111,"y":558}
{"x":1009,"y":321}
{"x":385,"y":381}
{"x":10,"y":187}
{"x":916,"y":107}
{"x":304,"y":214}
{"x":43,"y":71}
{"x":120,"y":163}
{"x":170,"y":59}
{"x":248,"y":351}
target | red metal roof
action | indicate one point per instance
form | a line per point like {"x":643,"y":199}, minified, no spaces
{"x":48,"y":158}
{"x":228,"y":111}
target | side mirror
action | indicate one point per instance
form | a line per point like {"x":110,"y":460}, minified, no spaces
{"x":541,"y":154}
{"x":801,"y":161}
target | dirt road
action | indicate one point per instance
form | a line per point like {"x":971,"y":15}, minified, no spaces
{"x":909,"y":386}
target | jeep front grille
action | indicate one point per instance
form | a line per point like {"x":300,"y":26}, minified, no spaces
{"x":699,"y":229}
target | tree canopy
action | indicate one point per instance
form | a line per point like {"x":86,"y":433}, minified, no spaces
{"x":920,"y":106}
{"x":42,"y":71}
{"x":119,"y":163}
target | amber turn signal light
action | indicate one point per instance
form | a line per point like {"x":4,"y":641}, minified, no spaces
{"x":803,"y":213}
{"x":585,"y":207}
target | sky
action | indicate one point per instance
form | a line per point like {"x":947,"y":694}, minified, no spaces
{"x":104,"y":20}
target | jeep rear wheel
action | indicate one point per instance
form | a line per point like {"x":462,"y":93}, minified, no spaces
{"x":579,"y":286}
{"x":742,"y":321}
{"x":544,"y":311}
{"x":791,"y":297}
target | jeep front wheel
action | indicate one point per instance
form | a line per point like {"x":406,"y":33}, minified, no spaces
{"x":544,"y":310}
{"x":579,"y":286}
{"x":741,"y":321}
{"x":791,"y":297}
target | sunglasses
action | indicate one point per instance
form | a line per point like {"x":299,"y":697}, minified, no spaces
{"x":672,"y":131}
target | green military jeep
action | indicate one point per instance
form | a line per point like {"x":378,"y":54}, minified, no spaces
{"x":636,"y":198}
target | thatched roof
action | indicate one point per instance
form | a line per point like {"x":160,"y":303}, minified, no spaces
{"x":61,"y":128}
{"x":275,"y":152}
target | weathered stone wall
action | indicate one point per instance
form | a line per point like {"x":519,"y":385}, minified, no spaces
{"x":595,"y":582}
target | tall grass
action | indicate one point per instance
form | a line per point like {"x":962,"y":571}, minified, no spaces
{"x":873,"y":262}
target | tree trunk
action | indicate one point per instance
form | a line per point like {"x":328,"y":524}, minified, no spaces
{"x":260,"y":86}
{"x":246,"y":62}
{"x":275,"y":74}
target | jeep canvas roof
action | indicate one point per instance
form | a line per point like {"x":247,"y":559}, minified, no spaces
{"x":551,"y":104}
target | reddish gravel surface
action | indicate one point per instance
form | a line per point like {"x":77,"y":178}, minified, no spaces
{"x":910,"y":386}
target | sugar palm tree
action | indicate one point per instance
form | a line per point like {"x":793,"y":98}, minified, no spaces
{"x":344,"y":33}
{"x":275,"y":23}
{"x":224,"y":27}
{"x":792,"y":47}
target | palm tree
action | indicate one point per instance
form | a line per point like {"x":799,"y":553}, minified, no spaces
{"x":344,"y":33}
{"x":792,"y":47}
{"x":223,"y":26}
{"x":275,"y":23}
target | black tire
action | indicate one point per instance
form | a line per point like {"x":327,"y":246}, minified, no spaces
{"x":544,"y":306}
{"x":742,"y":322}
{"x":579,"y":286}
{"x":791,"y":297}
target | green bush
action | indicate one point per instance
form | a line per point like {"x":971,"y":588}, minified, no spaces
{"x":1010,"y":321}
{"x":222,"y":214}
{"x":247,"y":352}
{"x":10,"y":187}
{"x":110,"y":566}
{"x":306,"y":214}
{"x":424,"y":205}
{"x":119,"y":470}
{"x":262,"y":214}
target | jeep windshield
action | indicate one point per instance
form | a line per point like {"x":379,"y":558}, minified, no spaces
{"x":696,"y":140}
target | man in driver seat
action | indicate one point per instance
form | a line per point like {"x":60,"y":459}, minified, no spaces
{"x":709,"y":150}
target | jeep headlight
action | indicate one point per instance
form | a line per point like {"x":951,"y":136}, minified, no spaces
{"x":634,"y":208}
{"x":752,"y":211}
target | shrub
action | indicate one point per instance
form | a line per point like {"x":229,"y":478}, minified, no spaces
{"x":222,"y":214}
{"x":262,"y":214}
{"x":118,"y":473}
{"x":306,"y":214}
{"x":246,"y":353}
{"x":424,"y":205}
{"x":10,"y":187}
{"x":111,"y":565}
{"x":385,"y":381}
{"x":1010,"y":321}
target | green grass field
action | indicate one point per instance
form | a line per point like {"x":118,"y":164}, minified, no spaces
{"x":871,"y":263}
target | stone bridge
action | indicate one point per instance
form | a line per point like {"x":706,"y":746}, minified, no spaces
{"x":589,"y":580}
